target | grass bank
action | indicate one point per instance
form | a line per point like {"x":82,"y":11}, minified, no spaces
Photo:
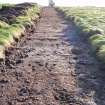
{"x":14,"y":20}
{"x":91,"y":24}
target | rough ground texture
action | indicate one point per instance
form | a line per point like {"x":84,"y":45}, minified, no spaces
{"x":52,"y":66}
{"x":9,"y":14}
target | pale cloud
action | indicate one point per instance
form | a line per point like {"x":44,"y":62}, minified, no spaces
{"x":62,"y":2}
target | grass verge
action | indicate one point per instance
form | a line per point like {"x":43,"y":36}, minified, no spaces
{"x":91,"y":24}
{"x":13,"y":22}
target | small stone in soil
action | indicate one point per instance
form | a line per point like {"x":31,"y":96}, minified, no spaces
{"x":76,"y":51}
{"x":39,"y":63}
{"x":29,"y":64}
{"x":75,"y":58}
{"x":3,"y":81}
{"x":19,"y":61}
{"x":73,"y":73}
{"x":11,"y":66}
{"x":23,"y":92}
{"x":33,"y":68}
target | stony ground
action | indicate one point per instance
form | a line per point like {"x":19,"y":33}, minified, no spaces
{"x":52,"y":66}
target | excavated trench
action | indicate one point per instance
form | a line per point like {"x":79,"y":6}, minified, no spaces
{"x":52,"y":65}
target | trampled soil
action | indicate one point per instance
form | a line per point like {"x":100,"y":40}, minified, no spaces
{"x":52,"y":65}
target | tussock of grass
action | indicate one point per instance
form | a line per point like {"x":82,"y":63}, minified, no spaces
{"x":16,"y":32}
{"x":97,"y":43}
{"x":23,"y":19}
{"x":3,"y":24}
{"x":4,"y":42}
{"x":101,"y":53}
{"x":6,"y":35}
{"x":86,"y":16}
{"x":19,"y":26}
{"x":91,"y":24}
{"x":10,"y":32}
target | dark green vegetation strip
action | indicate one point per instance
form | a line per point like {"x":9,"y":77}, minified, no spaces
{"x":91,"y":24}
{"x":13,"y":22}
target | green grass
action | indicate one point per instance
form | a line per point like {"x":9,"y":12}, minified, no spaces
{"x":10,"y":32}
{"x":91,"y":24}
{"x":91,"y":16}
{"x":3,"y":24}
{"x":101,"y":53}
{"x":97,"y":41}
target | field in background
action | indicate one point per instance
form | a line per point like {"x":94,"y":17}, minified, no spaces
{"x":91,"y":24}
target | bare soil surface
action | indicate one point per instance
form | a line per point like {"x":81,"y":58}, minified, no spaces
{"x":52,"y":66}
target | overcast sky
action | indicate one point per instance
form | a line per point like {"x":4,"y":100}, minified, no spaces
{"x":62,"y":2}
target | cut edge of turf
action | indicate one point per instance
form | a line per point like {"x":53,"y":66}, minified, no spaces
{"x":9,"y":33}
{"x":95,"y":36}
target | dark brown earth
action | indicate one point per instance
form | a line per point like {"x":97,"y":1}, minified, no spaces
{"x":9,"y":13}
{"x":52,"y":66}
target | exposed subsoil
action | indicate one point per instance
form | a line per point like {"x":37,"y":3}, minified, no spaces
{"x":52,"y":66}
{"x":10,"y":13}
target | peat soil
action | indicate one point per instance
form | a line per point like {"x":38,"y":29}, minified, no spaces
{"x":9,"y":13}
{"x":52,"y":65}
